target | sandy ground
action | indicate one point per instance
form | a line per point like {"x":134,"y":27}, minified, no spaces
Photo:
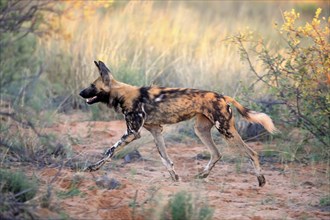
{"x":293,"y":191}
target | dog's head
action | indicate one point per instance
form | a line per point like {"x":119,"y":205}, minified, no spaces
{"x":99,"y":90}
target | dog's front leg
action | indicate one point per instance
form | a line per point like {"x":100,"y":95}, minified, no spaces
{"x":127,"y":138}
{"x":134,"y":121}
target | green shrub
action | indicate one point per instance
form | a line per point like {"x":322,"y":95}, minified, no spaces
{"x":73,"y":191}
{"x":325,"y":201}
{"x":183,"y":206}
{"x":17,"y":183}
{"x":24,"y":93}
{"x":296,"y":74}
{"x":205,"y":213}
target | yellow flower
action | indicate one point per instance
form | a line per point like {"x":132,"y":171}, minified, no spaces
{"x":315,"y":22}
{"x":308,"y":27}
{"x":318,"y":12}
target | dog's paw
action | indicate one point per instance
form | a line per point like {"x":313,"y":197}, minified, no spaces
{"x":261,"y":180}
{"x":175,"y":177}
{"x":90,"y":168}
{"x":202,"y":175}
{"x":87,"y":169}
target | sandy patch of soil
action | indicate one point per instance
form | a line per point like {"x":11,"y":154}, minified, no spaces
{"x":293,"y":191}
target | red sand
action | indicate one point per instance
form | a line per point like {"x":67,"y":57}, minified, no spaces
{"x":293,"y":191}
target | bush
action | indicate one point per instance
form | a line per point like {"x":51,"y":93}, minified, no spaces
{"x":325,"y":201}
{"x":18,"y":184}
{"x":24,"y":93}
{"x":297,"y":75}
{"x":183,"y":207}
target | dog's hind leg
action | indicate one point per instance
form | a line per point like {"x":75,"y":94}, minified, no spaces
{"x":156,"y":131}
{"x":203,"y":130}
{"x":237,"y":141}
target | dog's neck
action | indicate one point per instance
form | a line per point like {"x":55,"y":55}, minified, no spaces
{"x":120,"y":89}
{"x":122,"y":95}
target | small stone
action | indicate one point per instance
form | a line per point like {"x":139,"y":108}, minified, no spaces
{"x":132,"y":156}
{"x":308,"y":184}
{"x":107,"y":183}
{"x":203,"y":156}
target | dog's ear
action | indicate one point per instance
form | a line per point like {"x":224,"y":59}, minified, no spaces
{"x":101,"y":65}
{"x":97,"y":65}
{"x":105,"y":73}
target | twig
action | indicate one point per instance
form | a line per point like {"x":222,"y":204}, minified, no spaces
{"x":60,"y":105}
{"x":57,"y":174}
{"x":33,"y":80}
{"x":10,"y":146}
{"x":134,"y":202}
{"x":256,"y":136}
{"x":27,"y":123}
{"x":23,"y":192}
{"x":247,"y":56}
{"x":152,"y":196}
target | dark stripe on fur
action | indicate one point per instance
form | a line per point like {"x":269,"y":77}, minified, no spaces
{"x":144,"y":94}
{"x":244,"y":112}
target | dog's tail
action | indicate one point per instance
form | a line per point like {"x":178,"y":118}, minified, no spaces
{"x":253,"y":116}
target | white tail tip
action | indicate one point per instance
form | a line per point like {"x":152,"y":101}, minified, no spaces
{"x":264,"y":120}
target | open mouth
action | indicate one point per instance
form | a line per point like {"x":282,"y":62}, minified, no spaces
{"x":91,"y":100}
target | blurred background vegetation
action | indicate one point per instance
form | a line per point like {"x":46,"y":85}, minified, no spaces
{"x":272,"y":56}
{"x":256,"y":52}
{"x":262,"y":53}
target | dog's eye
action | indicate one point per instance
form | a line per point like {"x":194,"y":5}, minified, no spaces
{"x":92,"y":85}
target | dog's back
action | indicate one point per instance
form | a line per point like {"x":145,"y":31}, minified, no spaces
{"x":172,"y":105}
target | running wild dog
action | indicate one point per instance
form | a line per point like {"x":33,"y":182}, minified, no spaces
{"x":151,"y":107}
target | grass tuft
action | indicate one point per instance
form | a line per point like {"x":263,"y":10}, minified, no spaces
{"x":19,"y":184}
{"x":183,"y":206}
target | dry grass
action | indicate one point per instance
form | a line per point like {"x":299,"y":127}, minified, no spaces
{"x":168,"y":43}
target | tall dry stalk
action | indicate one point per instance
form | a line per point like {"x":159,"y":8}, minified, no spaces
{"x":169,"y":44}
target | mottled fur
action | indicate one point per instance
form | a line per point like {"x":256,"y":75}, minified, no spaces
{"x":151,"y":107}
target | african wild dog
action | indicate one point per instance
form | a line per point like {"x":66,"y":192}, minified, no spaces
{"x":151,"y":107}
